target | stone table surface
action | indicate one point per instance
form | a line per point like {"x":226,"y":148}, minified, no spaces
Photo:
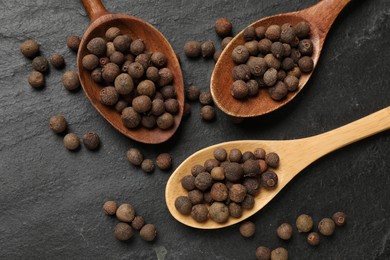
{"x":51,"y":199}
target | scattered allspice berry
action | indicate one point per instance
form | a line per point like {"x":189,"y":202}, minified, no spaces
{"x":339,"y":218}
{"x":247,"y":229}
{"x":73,"y":42}
{"x":148,"y":232}
{"x":279,"y":253}
{"x":30,"y":49}
{"x":125,"y":213}
{"x":147,"y":165}
{"x":208,"y":49}
{"x":138,"y":222}
{"x":71,"y":81}
{"x":164,"y":161}
{"x":58,"y":124}
{"x":123,"y":231}
{"x":91,"y":140}
{"x":71,"y":141}
{"x":36,"y":79}
{"x":223,"y":27}
{"x":284,"y":231}
{"x":263,"y":253}
{"x":40,"y":64}
{"x":304,"y":223}
{"x":193,"y":49}
{"x":313,"y":239}
{"x":207,"y":113}
{"x":326,"y":227}
{"x":57,"y":60}
{"x":135,"y":156}
{"x":109,"y":207}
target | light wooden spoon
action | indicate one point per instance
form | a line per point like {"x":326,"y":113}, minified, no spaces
{"x":136,"y":28}
{"x":295,"y":155}
{"x":320,"y":17}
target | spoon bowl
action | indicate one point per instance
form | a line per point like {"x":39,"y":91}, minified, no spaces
{"x":320,"y":17}
{"x":136,"y":28}
{"x":294,"y":155}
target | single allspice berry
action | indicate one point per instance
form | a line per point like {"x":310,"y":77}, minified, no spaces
{"x":165,"y":121}
{"x":263,"y":253}
{"x":137,"y":47}
{"x":239,"y":89}
{"x":36,"y":79}
{"x":199,"y":212}
{"x":147,"y":165}
{"x":272,"y":159}
{"x":70,"y":79}
{"x":164,"y":161}
{"x":138,"y":222}
{"x":110,"y":207}
{"x":112,"y":33}
{"x":183,"y":205}
{"x":193,"y":49}
{"x":205,"y":98}
{"x":219,"y":212}
{"x":148,"y":232}
{"x":71,"y":142}
{"x":273,"y":32}
{"x":108,"y":96}
{"x":57,"y":60}
{"x":339,"y":218}
{"x":135,"y":156}
{"x":326,"y":226}
{"x":97,"y":46}
{"x":269,"y":179}
{"x":207,"y":113}
{"x":304,"y":223}
{"x":192,"y":93}
{"x":90,"y":61}
{"x":91,"y":140}
{"x":208,"y":49}
{"x":247,"y":229}
{"x":73,"y":42}
{"x":223,"y":27}
{"x":284,"y":231}
{"x":40,"y":64}
{"x":58,"y":124}
{"x":125,"y":213}
{"x":188,"y":182}
{"x":30,"y":49}
{"x":306,"y":64}
{"x":279,"y":253}
{"x":123,"y":84}
{"x":313,"y":239}
{"x":159,"y":59}
{"x":110,"y":71}
{"x":225,"y":42}
{"x":130,"y":118}
{"x":123,"y":231}
{"x":240,"y":54}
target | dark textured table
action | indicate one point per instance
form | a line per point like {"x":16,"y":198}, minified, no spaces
{"x":51,"y":199}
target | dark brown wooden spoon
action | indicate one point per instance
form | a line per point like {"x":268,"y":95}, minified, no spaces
{"x":320,"y":17}
{"x":136,"y":28}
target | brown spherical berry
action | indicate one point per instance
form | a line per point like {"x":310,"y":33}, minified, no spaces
{"x":272,"y":159}
{"x":216,"y":55}
{"x":110,"y":49}
{"x":40,"y":64}
{"x":90,"y":61}
{"x":104,"y":61}
{"x":223,"y":27}
{"x":137,"y":47}
{"x":196,"y":169}
{"x":279,"y":253}
{"x":218,"y":173}
{"x":192,"y":93}
{"x":273,"y":32}
{"x":71,"y":81}
{"x":117,"y":57}
{"x":207,"y":198}
{"x":305,"y":47}
{"x":146,"y":87}
{"x":225,"y":42}
{"x":71,"y":142}
{"x":263,"y":253}
{"x":220,"y":154}
{"x":183,"y":205}
{"x":199,"y":212}
{"x":110,"y":71}
{"x":259,"y":153}
{"x":306,"y":64}
{"x":248,"y":202}
{"x":291,"y":82}
{"x":188,"y":182}
{"x":251,"y":168}
{"x":168,"y":92}
{"x":257,"y":66}
{"x":147,"y":165}
{"x":239,"y":89}
{"x":58,"y":124}
{"x":112,"y":33}
{"x":123,"y":231}
{"x":240,"y":54}
{"x":295,"y":55}
{"x":136,"y":70}
{"x":73,"y":42}
{"x":251,"y":46}
{"x":253,"y":88}
{"x":165,"y":77}
{"x":277,"y":49}
{"x":172,"y":106}
{"x":148,"y":232}
{"x":97,"y":46}
{"x":57,"y":60}
{"x":130,"y":118}
{"x":123,"y":84}
{"x":249,"y":33}
{"x":211,"y":164}
{"x":287,"y":49}
{"x":109,"y":207}
{"x":164,"y":161}
{"x":158,"y":59}
{"x":270,"y":77}
{"x":138,"y":222}
{"x":125,"y":213}
{"x":284,"y":231}
{"x":207,"y":113}
{"x":264,"y":46}
{"x":235,"y":210}
{"x":144,"y":59}
{"x":120,"y":105}
{"x":36,"y":79}
{"x":108,"y":96}
{"x":269,"y":179}
{"x":287,"y":33}
{"x":247,"y":229}
{"x":241,"y":72}
{"x":195,"y":196}
{"x":205,"y":98}
{"x":135,"y":156}
{"x":158,"y":107}
{"x":148,"y":121}
{"x":208,"y":49}
{"x":339,"y":218}
{"x":326,"y":226}
{"x":219,"y":192}
{"x":288,"y":64}
{"x":193,"y":49}
{"x":203,"y":181}
{"x":219,"y":212}
{"x":165,"y":121}
{"x":91,"y":140}
{"x":278,"y":91}
{"x":122,"y":43}
{"x":152,"y":74}
{"x":304,"y":223}
{"x":237,"y":193}
{"x":30,"y":49}
{"x":302,"y":29}
{"x":235,"y":155}
{"x":313,"y":239}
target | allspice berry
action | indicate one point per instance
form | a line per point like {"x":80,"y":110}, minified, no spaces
{"x":125,"y":213}
{"x":219,"y":191}
{"x":165,"y":121}
{"x":193,"y":49}
{"x":130,"y":118}
{"x":207,"y":113}
{"x":306,"y":64}
{"x":122,"y":43}
{"x":40,"y":64}
{"x":239,"y":89}
{"x":247,"y":229}
{"x":147,"y":165}
{"x":110,"y":71}
{"x":158,"y":59}
{"x":36,"y":79}
{"x":302,"y":29}
{"x":183,"y":205}
{"x":284,"y":231}
{"x":123,"y":231}
{"x":112,"y":33}
{"x":240,"y":54}
{"x":304,"y":223}
{"x":138,"y":222}
{"x":73,"y":42}
{"x":58,"y":124}
{"x":273,"y":32}
{"x":137,"y":47}
{"x":71,"y":81}
{"x":164,"y":161}
{"x":57,"y":60}
{"x":109,"y":207}
{"x":208,"y":49}
{"x":200,"y":212}
{"x":205,"y":98}
{"x":91,"y":140}
{"x":135,"y":156}
{"x":326,"y":226}
{"x":279,"y":253}
{"x":148,"y":232}
{"x":203,"y":181}
{"x":30,"y":49}
{"x":108,"y":96}
{"x":90,"y":61}
{"x":71,"y":141}
{"x":263,"y":253}
{"x":192,"y":93}
{"x":97,"y":46}
{"x":124,"y":84}
{"x":313,"y":239}
{"x":188,"y":182}
{"x":339,"y":218}
{"x":272,"y":159}
{"x":223,"y":27}
{"x":219,"y":212}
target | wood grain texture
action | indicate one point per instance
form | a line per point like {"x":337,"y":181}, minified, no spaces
{"x":295,"y":155}
{"x":320,"y":17}
{"x":136,"y":28}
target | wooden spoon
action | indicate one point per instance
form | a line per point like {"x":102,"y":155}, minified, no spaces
{"x":295,"y":155}
{"x":136,"y":28}
{"x":320,"y":17}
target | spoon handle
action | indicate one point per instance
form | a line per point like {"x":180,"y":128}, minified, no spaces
{"x":322,"y":144}
{"x":323,"y":14}
{"x":94,"y":8}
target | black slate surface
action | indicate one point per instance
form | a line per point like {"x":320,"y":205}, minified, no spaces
{"x":51,"y":199}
